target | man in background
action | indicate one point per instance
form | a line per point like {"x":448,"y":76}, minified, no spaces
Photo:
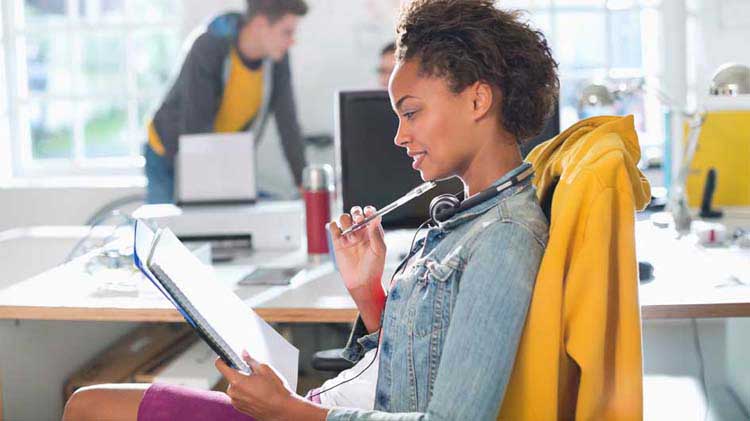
{"x":386,"y":64}
{"x":235,"y":74}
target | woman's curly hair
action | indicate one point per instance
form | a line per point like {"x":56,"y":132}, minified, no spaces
{"x":466,"y":41}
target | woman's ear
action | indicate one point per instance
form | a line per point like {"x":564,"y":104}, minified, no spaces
{"x":483,"y":97}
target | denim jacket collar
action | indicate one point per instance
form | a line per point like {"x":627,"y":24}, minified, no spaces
{"x":475,"y":211}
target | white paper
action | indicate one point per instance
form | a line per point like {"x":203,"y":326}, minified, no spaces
{"x":144,"y":239}
{"x":230,"y":317}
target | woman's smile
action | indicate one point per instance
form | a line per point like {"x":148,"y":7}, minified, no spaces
{"x":418,"y":158}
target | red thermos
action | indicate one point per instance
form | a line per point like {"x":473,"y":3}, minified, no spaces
{"x":316,"y":184}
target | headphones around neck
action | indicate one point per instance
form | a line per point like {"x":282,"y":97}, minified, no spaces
{"x":443,"y":207}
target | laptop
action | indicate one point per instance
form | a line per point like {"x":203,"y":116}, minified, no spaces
{"x":215,"y":168}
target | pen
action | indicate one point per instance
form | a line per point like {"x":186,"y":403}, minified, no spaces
{"x":416,"y":192}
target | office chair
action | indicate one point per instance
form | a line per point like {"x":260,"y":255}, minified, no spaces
{"x":331,"y":360}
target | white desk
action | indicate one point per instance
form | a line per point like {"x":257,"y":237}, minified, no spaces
{"x":69,"y":292}
{"x":690,"y":282}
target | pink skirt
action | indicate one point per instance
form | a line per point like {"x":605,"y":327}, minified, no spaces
{"x":167,"y":402}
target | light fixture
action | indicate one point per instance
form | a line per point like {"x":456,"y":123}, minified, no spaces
{"x":595,"y":98}
{"x":731,"y":79}
{"x":596,"y":95}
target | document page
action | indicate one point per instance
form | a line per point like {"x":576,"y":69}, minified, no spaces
{"x":234,"y":321}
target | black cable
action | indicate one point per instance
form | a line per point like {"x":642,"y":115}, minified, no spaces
{"x":702,"y":366}
{"x":401,"y":266}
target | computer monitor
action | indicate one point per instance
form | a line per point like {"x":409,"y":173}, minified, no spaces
{"x":370,"y":168}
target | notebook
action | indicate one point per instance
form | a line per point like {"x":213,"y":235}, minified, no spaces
{"x":216,"y":313}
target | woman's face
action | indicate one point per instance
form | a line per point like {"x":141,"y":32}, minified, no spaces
{"x":434,"y":123}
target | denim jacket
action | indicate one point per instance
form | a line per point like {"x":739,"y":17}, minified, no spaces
{"x":453,"y":320}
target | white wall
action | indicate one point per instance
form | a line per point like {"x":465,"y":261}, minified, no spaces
{"x":338,"y":47}
{"x":724,"y":28}
{"x":196,"y":12}
{"x":29,"y":206}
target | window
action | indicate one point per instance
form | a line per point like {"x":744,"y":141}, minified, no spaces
{"x":609,"y":41}
{"x":3,"y":97}
{"x":5,"y":158}
{"x":83,"y":77}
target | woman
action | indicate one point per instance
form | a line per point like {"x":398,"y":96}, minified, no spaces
{"x":471,"y":82}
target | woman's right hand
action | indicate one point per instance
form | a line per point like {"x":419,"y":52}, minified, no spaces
{"x":360,"y":255}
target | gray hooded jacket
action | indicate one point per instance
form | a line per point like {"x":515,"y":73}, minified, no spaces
{"x":191,"y":105}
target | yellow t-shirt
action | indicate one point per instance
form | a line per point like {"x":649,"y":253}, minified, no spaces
{"x":240,"y":102}
{"x":242,"y":97}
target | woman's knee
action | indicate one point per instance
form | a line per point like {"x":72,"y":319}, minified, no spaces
{"x":113,"y":402}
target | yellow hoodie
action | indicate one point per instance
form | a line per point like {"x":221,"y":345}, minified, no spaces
{"x":580,"y":352}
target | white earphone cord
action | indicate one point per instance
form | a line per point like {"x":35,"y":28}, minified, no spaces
{"x":377,"y":348}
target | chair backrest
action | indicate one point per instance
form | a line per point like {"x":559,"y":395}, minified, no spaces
{"x":546,"y":200}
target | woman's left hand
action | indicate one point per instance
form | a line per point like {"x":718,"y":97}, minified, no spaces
{"x":262,"y":394}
